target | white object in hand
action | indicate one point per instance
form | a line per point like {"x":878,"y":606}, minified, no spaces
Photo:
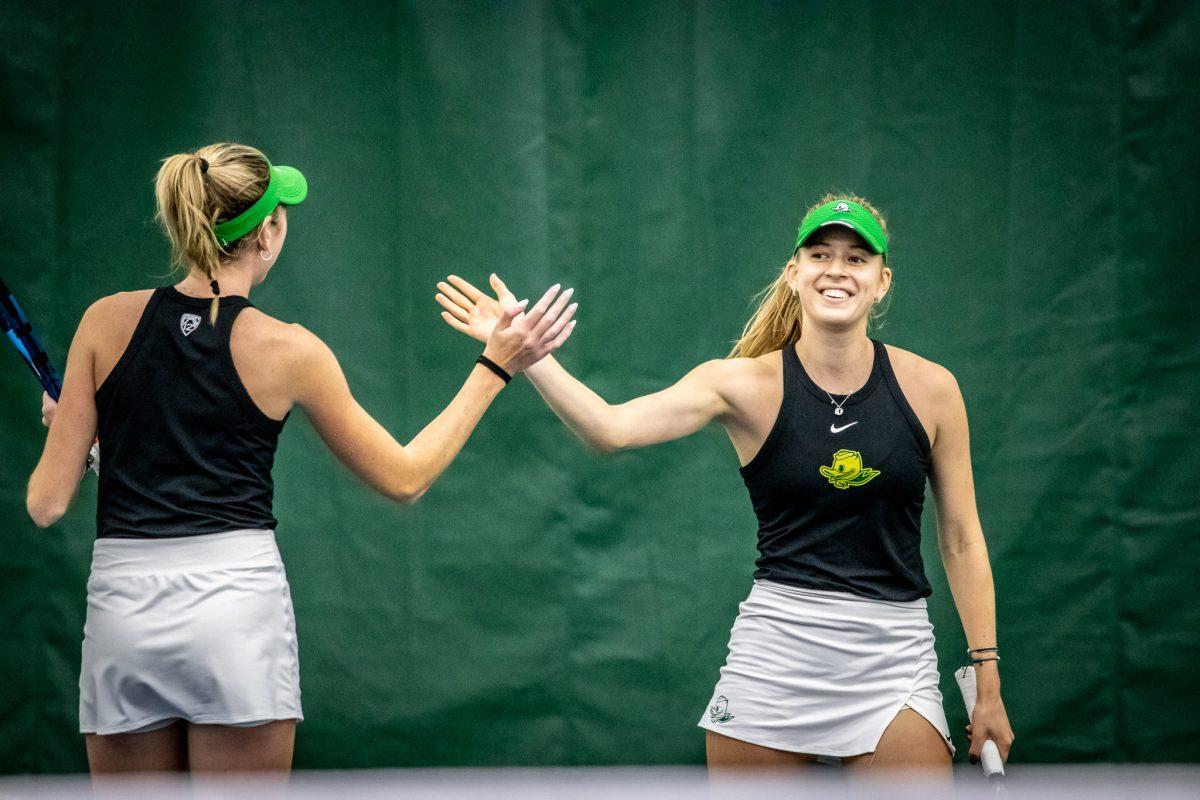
{"x":990,"y":756}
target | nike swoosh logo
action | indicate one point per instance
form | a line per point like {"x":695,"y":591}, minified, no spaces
{"x":832,"y":429}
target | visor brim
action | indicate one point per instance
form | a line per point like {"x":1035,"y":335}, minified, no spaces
{"x":292,"y":186}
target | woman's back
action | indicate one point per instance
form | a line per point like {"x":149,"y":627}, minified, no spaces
{"x":187,"y":450}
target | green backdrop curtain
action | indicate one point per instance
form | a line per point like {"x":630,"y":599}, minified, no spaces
{"x":543,"y":605}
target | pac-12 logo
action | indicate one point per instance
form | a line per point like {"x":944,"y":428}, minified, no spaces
{"x":189,"y":323}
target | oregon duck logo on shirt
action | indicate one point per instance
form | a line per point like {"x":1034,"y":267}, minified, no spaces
{"x":848,"y":470}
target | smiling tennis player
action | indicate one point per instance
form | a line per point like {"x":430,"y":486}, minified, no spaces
{"x":189,"y":654}
{"x":832,"y":654}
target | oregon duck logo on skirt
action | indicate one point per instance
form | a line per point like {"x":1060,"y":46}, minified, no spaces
{"x":847,"y":470}
{"x":719,"y":710}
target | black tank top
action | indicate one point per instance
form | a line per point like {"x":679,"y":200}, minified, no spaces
{"x":839,"y":498}
{"x":184,"y":449}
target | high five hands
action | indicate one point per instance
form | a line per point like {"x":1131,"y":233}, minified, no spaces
{"x":515,"y":338}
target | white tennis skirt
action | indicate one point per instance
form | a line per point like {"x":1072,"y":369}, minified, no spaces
{"x":198,"y":628}
{"x":824,"y":673}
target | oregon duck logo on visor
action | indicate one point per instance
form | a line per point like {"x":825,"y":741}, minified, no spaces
{"x":189,"y":323}
{"x":842,"y":207}
{"x":848,"y":470}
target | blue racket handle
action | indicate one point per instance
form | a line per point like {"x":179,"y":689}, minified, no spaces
{"x":20,"y":333}
{"x":16,"y":325}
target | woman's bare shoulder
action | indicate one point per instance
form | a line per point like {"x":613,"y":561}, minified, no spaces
{"x":273,"y":339}
{"x":747,"y":378}
{"x":920,"y":372}
{"x":743,"y":368}
{"x":930,"y":389}
{"x":118,"y":307}
{"x":110,"y":321}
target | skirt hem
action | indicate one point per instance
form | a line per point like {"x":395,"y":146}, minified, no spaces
{"x":823,"y":751}
{"x":762,"y":741}
{"x":196,"y":719}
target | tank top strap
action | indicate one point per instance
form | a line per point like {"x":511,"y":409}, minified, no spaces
{"x":786,"y":418}
{"x":140,"y":332}
{"x":231,"y":308}
{"x":897,"y":395}
{"x":791,"y":407}
{"x":790,"y":360}
{"x":793,"y":380}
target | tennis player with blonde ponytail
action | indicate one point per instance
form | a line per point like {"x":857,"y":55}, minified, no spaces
{"x":832,"y":653}
{"x":190,"y":658}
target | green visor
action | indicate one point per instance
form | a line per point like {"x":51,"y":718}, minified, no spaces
{"x":286,"y":185}
{"x":847,"y":213}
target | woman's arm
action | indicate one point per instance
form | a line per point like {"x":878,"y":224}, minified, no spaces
{"x":672,"y":413}
{"x":677,"y":411}
{"x":964,"y":554}
{"x":72,"y":424}
{"x":405,"y":472}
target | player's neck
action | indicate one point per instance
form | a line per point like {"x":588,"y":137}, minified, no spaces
{"x":836,"y":358}
{"x":232,"y":282}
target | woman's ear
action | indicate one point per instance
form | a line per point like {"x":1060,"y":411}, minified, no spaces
{"x":266,"y":232}
{"x":791,"y":271}
{"x":885,"y":284}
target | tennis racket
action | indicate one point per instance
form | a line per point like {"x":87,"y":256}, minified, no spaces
{"x":19,"y":331}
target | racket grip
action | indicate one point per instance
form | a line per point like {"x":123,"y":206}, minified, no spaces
{"x":93,"y":461}
{"x":989,"y":759}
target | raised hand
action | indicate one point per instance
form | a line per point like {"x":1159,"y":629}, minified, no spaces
{"x":469,"y":310}
{"x":521,"y":338}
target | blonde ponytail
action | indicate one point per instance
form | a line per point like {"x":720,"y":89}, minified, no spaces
{"x":776,"y":320}
{"x":195,"y":192}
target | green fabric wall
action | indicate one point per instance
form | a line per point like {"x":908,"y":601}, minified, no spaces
{"x":1038,"y":162}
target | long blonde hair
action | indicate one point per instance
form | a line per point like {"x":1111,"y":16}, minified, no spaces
{"x":196,"y":191}
{"x":777,"y":318}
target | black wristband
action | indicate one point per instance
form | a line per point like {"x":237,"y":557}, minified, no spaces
{"x":494,"y":367}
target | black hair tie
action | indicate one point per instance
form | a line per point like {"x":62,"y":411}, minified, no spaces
{"x":203,"y":165}
{"x":500,"y":371}
{"x":216,"y":288}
